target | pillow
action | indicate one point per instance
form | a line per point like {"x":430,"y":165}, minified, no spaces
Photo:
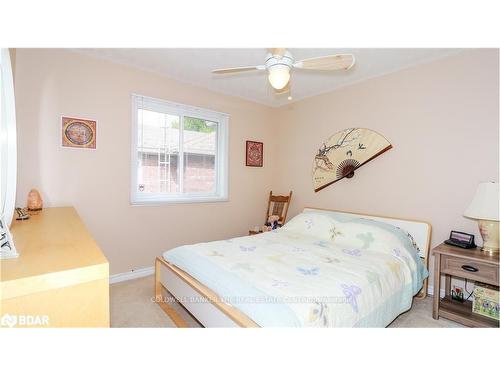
{"x":355,"y":235}
{"x":372,"y":235}
{"x":312,"y":224}
{"x":338,"y":216}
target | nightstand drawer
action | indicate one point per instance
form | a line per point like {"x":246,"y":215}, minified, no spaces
{"x":487,"y":273}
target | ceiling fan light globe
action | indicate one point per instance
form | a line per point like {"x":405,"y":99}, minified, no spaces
{"x":279,"y":76}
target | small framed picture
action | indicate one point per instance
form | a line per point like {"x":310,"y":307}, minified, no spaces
{"x":79,"y":133}
{"x":255,"y":154}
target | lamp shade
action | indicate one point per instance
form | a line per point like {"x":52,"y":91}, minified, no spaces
{"x":484,"y":205}
{"x":279,"y":75}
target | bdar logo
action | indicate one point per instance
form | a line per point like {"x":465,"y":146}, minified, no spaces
{"x":8,"y":320}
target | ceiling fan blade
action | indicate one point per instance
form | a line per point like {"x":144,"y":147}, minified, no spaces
{"x":238,"y":69}
{"x":277,"y":51}
{"x":333,"y":62}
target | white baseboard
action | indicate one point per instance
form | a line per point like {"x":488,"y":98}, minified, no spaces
{"x":134,"y":274}
{"x":430,"y":291}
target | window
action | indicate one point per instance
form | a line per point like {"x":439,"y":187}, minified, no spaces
{"x":179,"y":153}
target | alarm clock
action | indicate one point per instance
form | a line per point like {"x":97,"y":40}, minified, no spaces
{"x":461,"y":239}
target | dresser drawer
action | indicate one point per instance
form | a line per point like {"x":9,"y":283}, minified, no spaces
{"x":487,"y":273}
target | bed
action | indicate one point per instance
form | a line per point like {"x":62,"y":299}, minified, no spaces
{"x":324,"y":268}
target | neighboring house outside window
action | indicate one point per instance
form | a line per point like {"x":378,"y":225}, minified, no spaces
{"x":179,"y":153}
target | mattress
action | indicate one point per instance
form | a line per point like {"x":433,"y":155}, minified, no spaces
{"x":316,"y":271}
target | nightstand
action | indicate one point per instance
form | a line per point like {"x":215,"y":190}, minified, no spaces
{"x":471,"y":264}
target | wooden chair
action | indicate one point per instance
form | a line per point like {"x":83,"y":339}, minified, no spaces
{"x":278,"y":205}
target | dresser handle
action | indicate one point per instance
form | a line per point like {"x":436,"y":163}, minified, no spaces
{"x":470,"y":268}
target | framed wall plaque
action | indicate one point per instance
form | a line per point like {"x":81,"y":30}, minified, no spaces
{"x":254,"y":154}
{"x":79,"y":133}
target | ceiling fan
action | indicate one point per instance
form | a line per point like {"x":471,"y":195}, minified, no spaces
{"x":279,"y":62}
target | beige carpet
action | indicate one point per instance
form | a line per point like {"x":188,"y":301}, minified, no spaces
{"x":131,"y":306}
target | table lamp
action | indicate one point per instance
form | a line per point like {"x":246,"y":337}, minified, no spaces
{"x":484,"y":208}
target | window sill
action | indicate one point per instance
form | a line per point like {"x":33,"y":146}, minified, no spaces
{"x":176,"y":200}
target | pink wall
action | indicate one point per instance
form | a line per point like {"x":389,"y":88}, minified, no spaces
{"x":442,"y":120}
{"x":50,"y":83}
{"x":441,"y":117}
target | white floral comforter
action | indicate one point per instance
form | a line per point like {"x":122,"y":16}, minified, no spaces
{"x":318,"y":270}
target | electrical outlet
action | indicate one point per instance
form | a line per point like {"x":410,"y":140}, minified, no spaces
{"x":457,"y":293}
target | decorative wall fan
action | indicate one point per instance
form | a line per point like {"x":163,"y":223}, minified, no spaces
{"x":279,"y":62}
{"x":344,"y":152}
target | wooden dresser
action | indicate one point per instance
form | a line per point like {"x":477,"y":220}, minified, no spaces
{"x":61,"y":277}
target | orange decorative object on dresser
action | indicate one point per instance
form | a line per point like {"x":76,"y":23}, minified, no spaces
{"x":35,"y":202}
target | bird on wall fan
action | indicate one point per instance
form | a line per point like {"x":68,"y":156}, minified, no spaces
{"x":280,"y":62}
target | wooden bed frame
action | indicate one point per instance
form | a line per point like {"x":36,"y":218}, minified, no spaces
{"x":211,"y":311}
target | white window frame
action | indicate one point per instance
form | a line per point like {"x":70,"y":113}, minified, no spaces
{"x":221,"y":157}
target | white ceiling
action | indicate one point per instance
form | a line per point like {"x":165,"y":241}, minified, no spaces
{"x":194,"y":66}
